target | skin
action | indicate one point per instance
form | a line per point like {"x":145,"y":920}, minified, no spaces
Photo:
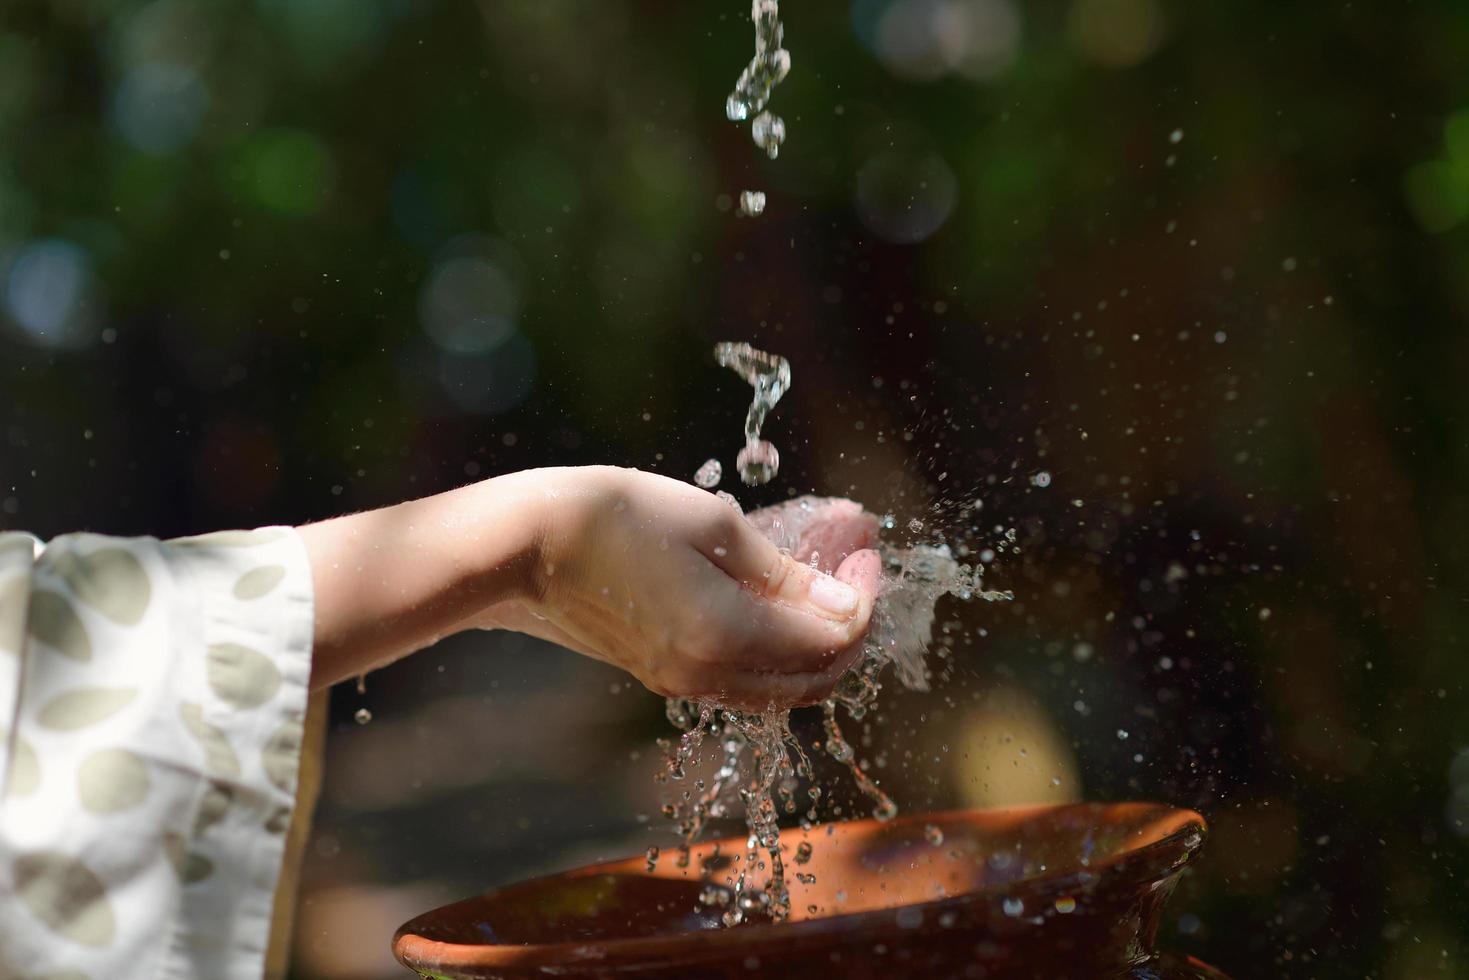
{"x":652,"y":575}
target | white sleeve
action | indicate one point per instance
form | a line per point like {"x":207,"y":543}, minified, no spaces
{"x":152,"y":702}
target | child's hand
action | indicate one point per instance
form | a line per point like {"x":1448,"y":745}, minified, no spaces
{"x":672,"y":584}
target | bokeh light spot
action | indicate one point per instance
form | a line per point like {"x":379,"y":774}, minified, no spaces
{"x":289,"y":171}
{"x":325,"y":34}
{"x":46,"y":293}
{"x":904,"y":196}
{"x":1456,"y":138}
{"x":468,"y":305}
{"x":1438,"y":194}
{"x":158,"y":107}
{"x":927,"y":39}
{"x":1116,"y":33}
{"x":1014,"y":753}
{"x":492,"y":382}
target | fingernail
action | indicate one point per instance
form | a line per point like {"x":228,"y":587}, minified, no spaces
{"x":837,"y":598}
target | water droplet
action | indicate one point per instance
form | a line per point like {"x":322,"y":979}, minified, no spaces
{"x":1013,"y":907}
{"x":769,"y":132}
{"x":803,"y":852}
{"x":752,"y":203}
{"x":758,"y":463}
{"x":915,"y":525}
{"x":934,"y":834}
{"x":1122,"y":734}
{"x":1041,"y":479}
{"x":1065,"y":905}
{"x":363,"y":716}
{"x":709,"y":475}
{"x":652,"y":856}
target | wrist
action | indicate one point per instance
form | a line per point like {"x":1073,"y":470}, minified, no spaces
{"x":504,"y":552}
{"x":559,"y":510}
{"x":392,"y":581}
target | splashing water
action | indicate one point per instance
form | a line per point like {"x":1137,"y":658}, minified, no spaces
{"x":769,"y":67}
{"x":768,"y":784}
{"x":913,"y":581}
{"x":770,"y":376}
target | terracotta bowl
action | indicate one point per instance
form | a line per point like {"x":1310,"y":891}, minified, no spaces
{"x":1056,"y":892}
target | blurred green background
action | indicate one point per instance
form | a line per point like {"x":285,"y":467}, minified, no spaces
{"x":1177,"y":290}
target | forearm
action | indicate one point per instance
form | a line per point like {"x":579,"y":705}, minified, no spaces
{"x":392,"y":581}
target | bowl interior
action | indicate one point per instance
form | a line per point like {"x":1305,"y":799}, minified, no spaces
{"x":857,"y":868}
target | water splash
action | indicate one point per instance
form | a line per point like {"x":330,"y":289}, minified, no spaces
{"x":752,"y":203}
{"x":770,"y":376}
{"x":761,"y":762}
{"x":913,"y":580}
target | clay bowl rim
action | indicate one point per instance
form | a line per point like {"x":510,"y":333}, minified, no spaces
{"x":1135,"y":866}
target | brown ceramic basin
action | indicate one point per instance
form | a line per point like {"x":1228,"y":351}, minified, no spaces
{"x":1055,"y":892}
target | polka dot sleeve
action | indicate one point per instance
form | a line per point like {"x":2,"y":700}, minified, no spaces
{"x":152,"y":706}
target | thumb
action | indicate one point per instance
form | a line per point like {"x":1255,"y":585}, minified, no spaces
{"x":846,"y":597}
{"x":808,"y":621}
{"x":863,"y":571}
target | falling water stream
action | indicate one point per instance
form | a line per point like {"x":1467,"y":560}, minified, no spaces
{"x":770,"y":376}
{"x":762,"y":764}
{"x":752,"y":91}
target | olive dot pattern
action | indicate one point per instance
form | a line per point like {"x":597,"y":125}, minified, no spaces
{"x":152,"y":699}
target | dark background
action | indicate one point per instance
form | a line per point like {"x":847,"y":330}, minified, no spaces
{"x":1204,"y":265}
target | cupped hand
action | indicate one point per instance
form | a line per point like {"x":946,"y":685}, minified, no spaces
{"x":674,"y":585}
